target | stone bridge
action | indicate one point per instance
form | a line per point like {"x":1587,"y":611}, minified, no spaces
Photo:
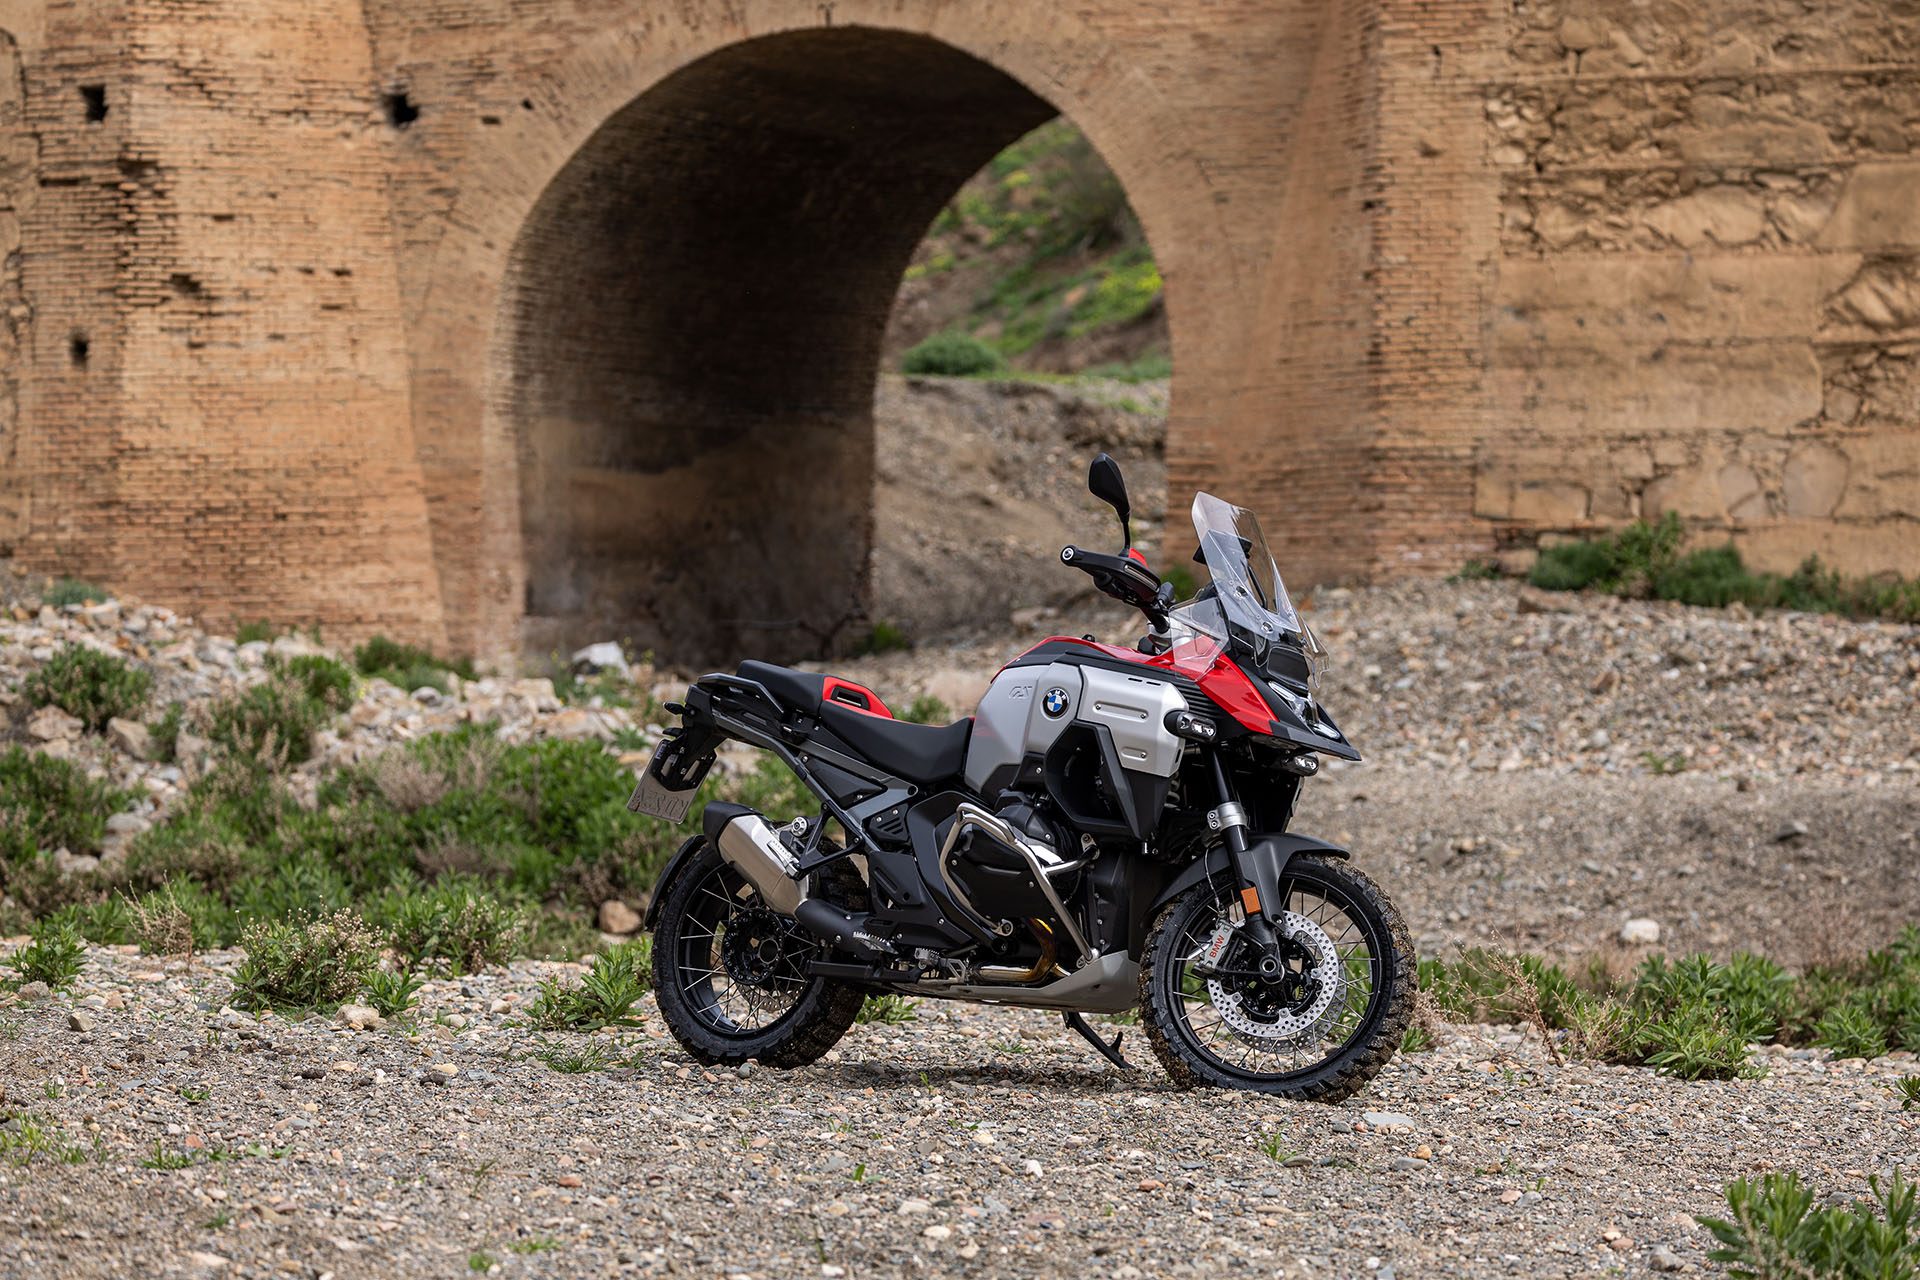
{"x":504,"y":323}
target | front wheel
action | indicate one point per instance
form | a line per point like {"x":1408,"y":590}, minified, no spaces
{"x":1317,"y":1030}
{"x":731,"y":974}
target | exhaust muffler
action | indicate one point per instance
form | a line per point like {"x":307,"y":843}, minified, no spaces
{"x":753,"y":847}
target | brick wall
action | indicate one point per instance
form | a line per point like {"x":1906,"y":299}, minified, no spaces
{"x":496,"y":324}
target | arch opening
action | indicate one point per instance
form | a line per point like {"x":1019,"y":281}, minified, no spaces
{"x":695,"y":311}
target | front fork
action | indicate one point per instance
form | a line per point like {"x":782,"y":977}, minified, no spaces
{"x":1262,"y":893}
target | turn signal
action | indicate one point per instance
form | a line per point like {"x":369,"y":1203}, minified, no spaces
{"x":1185,"y":724}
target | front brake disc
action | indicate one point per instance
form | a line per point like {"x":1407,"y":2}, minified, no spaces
{"x":1288,"y":1025}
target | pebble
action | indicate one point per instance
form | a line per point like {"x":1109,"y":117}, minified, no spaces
{"x":443,"y":1071}
{"x":1386,"y":1120}
{"x":358,"y":1016}
{"x":1665,"y":1259}
{"x":937,"y":1231}
{"x":1640,"y":932}
{"x":80,"y":1020}
{"x":910,"y":1207}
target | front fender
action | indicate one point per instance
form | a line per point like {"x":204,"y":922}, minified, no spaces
{"x":684,"y":852}
{"x":1267,"y":856}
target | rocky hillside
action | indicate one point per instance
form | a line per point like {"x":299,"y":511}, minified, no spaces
{"x":1041,"y":257}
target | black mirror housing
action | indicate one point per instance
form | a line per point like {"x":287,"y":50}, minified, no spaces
{"x":1105,"y":482}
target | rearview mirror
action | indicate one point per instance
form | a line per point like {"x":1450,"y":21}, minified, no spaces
{"x":1105,"y":483}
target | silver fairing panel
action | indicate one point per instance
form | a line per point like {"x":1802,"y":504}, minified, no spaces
{"x":1012,"y":719}
{"x":1134,"y":710}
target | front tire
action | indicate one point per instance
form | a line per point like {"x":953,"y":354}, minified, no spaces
{"x":1320,"y":1039}
{"x":730,"y":974}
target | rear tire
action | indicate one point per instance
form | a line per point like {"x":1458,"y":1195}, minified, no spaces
{"x":697,"y":975}
{"x":1342,"y":1049}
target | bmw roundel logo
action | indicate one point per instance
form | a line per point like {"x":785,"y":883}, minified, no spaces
{"x":1055,"y":703}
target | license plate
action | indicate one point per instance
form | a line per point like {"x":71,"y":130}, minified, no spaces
{"x":666,"y":788}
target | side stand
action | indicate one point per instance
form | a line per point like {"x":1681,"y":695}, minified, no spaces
{"x":1111,"y":1052}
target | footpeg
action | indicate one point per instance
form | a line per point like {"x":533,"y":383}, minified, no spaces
{"x":1111,"y":1052}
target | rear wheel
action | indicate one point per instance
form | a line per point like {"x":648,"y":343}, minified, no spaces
{"x":730,"y":973}
{"x":1321,"y":1027}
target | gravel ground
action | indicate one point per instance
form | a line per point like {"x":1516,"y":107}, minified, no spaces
{"x":969,"y":1142}
{"x":1540,"y":769}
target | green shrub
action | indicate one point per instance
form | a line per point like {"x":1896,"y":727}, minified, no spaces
{"x":1909,"y":1087}
{"x":304,"y":964}
{"x":66,"y":591}
{"x":1851,"y":1031}
{"x":257,"y":631}
{"x":885,"y":637}
{"x":55,"y":956}
{"x":456,"y":922}
{"x":1695,"y":1041}
{"x":1644,"y":559}
{"x":1475,"y":570}
{"x":47,"y":803}
{"x":1774,"y":1232}
{"x":89,"y":685}
{"x":952,"y":355}
{"x":927,"y":709}
{"x":393,"y":993}
{"x":165,"y":732}
{"x":614,"y":983}
{"x":406,"y":666}
{"x":179,"y":920}
{"x":325,"y":681}
{"x":272,"y":722}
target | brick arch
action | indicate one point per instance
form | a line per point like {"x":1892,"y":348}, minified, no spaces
{"x":525,"y":468}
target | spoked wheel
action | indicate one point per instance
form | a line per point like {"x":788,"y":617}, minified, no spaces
{"x":731,"y":973}
{"x":1317,"y":1028}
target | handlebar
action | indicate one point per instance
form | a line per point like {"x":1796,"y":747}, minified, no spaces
{"x":1125,"y":579}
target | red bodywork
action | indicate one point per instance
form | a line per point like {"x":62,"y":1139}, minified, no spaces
{"x":1207,"y":665}
{"x":854,"y":697}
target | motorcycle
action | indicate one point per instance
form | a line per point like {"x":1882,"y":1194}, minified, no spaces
{"x":1107,"y":832}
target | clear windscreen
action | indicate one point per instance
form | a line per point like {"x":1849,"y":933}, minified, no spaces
{"x":1246,"y":580}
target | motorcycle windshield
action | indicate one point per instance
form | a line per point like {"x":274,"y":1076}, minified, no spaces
{"x":1246,"y":580}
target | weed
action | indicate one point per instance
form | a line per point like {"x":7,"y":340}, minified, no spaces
{"x":1009,"y":1046}
{"x":392,"y":993}
{"x":1774,"y":1232}
{"x":604,"y":997}
{"x":218,"y":1222}
{"x":257,"y":631}
{"x":585,"y":1059}
{"x":1276,"y":1150}
{"x":892,"y":1010}
{"x":163,"y":1158}
{"x":304,"y":964}
{"x":535,"y":1244}
{"x":55,"y":956}
{"x":927,"y":709}
{"x":480,"y":1262}
{"x":952,"y":355}
{"x":195,"y":1093}
{"x":66,"y":591}
{"x":162,"y":924}
{"x":88,"y":684}
{"x":53,"y":1089}
{"x":1909,"y":1088}
{"x":1663,"y":765}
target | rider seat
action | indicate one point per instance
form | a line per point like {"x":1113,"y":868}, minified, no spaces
{"x":922,"y":753}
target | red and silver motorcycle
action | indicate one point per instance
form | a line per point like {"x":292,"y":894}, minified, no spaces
{"x":1107,"y":831}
